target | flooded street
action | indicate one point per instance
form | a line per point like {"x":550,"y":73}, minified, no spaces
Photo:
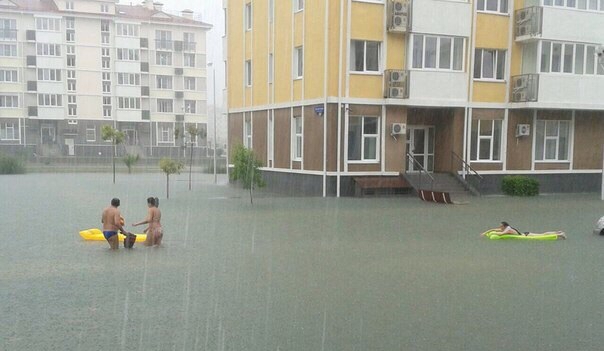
{"x":293,"y":273}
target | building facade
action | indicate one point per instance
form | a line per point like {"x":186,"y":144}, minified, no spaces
{"x":69,"y":67}
{"x":326,"y":91}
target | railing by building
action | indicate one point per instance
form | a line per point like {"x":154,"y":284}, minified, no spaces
{"x":525,"y":88}
{"x":528,"y":22}
{"x":189,"y":46}
{"x":467,"y":175}
{"x":421,"y":171}
{"x":161,"y":44}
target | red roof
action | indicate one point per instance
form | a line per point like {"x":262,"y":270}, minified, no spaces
{"x":34,"y":5}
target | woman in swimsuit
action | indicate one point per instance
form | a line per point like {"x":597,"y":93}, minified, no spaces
{"x":154,"y":231}
{"x":507,"y":229}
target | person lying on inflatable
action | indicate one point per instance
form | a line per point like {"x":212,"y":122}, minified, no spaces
{"x":506,"y":231}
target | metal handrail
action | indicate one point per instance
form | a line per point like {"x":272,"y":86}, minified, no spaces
{"x":467,"y":168}
{"x":421,"y":170}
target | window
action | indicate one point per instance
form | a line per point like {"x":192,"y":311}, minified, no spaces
{"x":163,"y":58}
{"x":190,"y":83}
{"x":247,"y":132}
{"x":71,"y":74}
{"x":248,"y":16}
{"x":48,"y":24}
{"x":49,"y":74}
{"x":127,"y":30}
{"x":188,"y":41}
{"x":270,"y":68}
{"x":437,"y":53}
{"x":9,"y":101}
{"x":70,"y":49}
{"x":106,"y":100}
{"x":71,"y":85}
{"x":190,"y":106}
{"x":591,"y":5}
{"x":105,"y":38}
{"x":106,"y":75}
{"x":104,"y":8}
{"x":70,"y":36}
{"x":54,"y":100}
{"x":106,"y":111}
{"x":163,"y":82}
{"x":163,"y":40}
{"x":271,"y":12}
{"x":128,"y":54}
{"x":71,"y":61}
{"x":8,"y":76}
{"x":128,"y":79}
{"x":8,"y":29}
{"x":165,"y":133}
{"x":106,"y":87}
{"x":569,"y":58}
{"x":298,"y":5}
{"x":486,"y":140}
{"x":8,"y":131}
{"x":363,"y":138}
{"x":365,"y":56}
{"x":552,"y":140}
{"x":129,"y":103}
{"x":165,"y":105}
{"x":8,"y":50}
{"x":72,"y":110}
{"x":105,"y":52}
{"x":106,"y":63}
{"x":69,"y":5}
{"x":297,"y":138}
{"x":497,"y":6}
{"x":91,"y":134}
{"x":270,"y":138}
{"x":189,"y":60}
{"x":298,"y":62}
{"x":248,"y":73}
{"x":489,"y":64}
{"x":69,"y":22}
{"x":48,"y":49}
{"x":71,"y":99}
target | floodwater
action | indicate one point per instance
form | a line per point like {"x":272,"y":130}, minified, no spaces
{"x":293,"y":273}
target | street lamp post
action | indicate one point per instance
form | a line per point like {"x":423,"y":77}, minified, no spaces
{"x":210,"y":64}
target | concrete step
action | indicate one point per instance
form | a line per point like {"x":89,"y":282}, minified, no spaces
{"x":443,"y":182}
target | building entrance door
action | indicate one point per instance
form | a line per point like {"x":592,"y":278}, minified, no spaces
{"x":48,"y":134}
{"x":70,"y":147}
{"x":420,"y":144}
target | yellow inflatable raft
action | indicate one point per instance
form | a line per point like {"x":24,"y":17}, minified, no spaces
{"x":96,"y":234}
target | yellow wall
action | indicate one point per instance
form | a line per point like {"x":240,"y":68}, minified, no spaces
{"x":283,"y":51}
{"x":235,"y":65}
{"x":489,"y":92}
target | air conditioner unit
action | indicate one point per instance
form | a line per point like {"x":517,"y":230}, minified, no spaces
{"x":399,"y":16}
{"x":399,"y":23}
{"x":523,"y":130}
{"x":400,"y":7}
{"x":524,"y":16}
{"x":520,"y":83}
{"x":397,"y":77}
{"x":397,"y":93}
{"x":398,"y":129}
{"x":520,"y":96}
{"x":524,"y":30}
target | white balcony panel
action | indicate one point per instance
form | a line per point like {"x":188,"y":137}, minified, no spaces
{"x":571,"y":25}
{"x":194,"y":72}
{"x":132,"y":91}
{"x":127,"y":66}
{"x":11,"y":87}
{"x":127,"y":42}
{"x":434,"y":87}
{"x":49,"y":37}
{"x":570,"y":90}
{"x":163,"y":117}
{"x":11,"y":112}
{"x":51,"y":112}
{"x":51,"y":87}
{"x":197,"y":118}
{"x":11,"y":61}
{"x":128,"y":115}
{"x":453,"y":18}
{"x":50,"y":62}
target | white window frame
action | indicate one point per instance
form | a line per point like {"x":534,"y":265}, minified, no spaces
{"x":163,"y":58}
{"x":352,"y":66}
{"x":48,"y":24}
{"x":50,"y":100}
{"x":106,"y":63}
{"x":8,"y":50}
{"x":248,"y":16}
{"x":298,"y":5}
{"x":577,"y":4}
{"x":165,"y":133}
{"x":364,"y":136}
{"x":298,"y":64}
{"x":163,"y":82}
{"x":105,"y":38}
{"x":271,"y":68}
{"x":9,"y":101}
{"x":125,"y":54}
{"x":189,"y":60}
{"x":69,"y":22}
{"x":589,"y":62}
{"x":131,"y":79}
{"x":271,"y":138}
{"x":9,"y":76}
{"x":71,"y":60}
{"x":248,"y":73}
{"x":297,"y":135}
{"x":541,"y":158}
{"x":127,"y":30}
{"x":247,"y":132}
{"x":104,"y":8}
{"x":497,"y":56}
{"x":437,"y":53}
{"x":4,"y":134}
{"x":503,"y":6}
{"x":71,"y":85}
{"x":491,"y":138}
{"x":190,"y":83}
{"x":165,"y":106}
{"x":129,"y":103}
{"x":8,"y":29}
{"x":91,"y":138}
{"x":49,"y":74}
{"x":47,"y":49}
{"x":190,"y":107}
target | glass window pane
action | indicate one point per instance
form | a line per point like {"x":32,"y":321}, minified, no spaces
{"x":579,"y":58}
{"x":486,"y":128}
{"x":371,"y":125}
{"x":582,"y":4}
{"x":556,"y":57}
{"x":551,"y":128}
{"x":430,"y":52}
{"x":480,"y":5}
{"x":563,"y":141}
{"x":488,"y":64}
{"x":445,"y":53}
{"x":430,"y":140}
{"x":500,"y":64}
{"x":354,"y":138}
{"x":418,"y":51}
{"x":539,"y":140}
{"x":571,"y":3}
{"x":492,"y":5}
{"x":568,"y":58}
{"x":474,"y":141}
{"x":497,"y":140}
{"x":373,"y":56}
{"x":370,"y":150}
{"x":546,"y":48}
{"x":485,"y":149}
{"x":504,"y":6}
{"x":593,"y":4}
{"x":477,"y":63}
{"x":550,"y":149}
{"x":358,"y":56}
{"x":457,"y":54}
{"x":590,"y":56}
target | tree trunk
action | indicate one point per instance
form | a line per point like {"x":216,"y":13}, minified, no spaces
{"x":113,"y":159}
{"x":191,"y":166}
{"x":167,"y":186}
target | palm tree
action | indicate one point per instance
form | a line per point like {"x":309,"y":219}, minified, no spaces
{"x":170,"y":166}
{"x":116,"y":137}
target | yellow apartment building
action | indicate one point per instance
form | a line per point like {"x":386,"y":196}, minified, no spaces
{"x":330,"y":92}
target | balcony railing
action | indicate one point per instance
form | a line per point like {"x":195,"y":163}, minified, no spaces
{"x":161,"y":44}
{"x":189,"y":46}
{"x":8,"y":34}
{"x":528,"y":22}
{"x":525,"y":88}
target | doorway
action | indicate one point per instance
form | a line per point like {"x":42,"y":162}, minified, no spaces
{"x":48,"y":134}
{"x":420,"y":144}
{"x":70,"y":147}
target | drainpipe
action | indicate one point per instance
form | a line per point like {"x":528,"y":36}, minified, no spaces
{"x":339,"y":158}
{"x":325,"y":66}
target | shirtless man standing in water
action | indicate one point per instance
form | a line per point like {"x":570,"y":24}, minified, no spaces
{"x":111,"y":224}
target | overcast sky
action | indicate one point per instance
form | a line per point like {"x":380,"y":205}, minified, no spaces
{"x":211,"y":12}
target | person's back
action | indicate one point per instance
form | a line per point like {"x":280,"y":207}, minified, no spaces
{"x":111,"y":223}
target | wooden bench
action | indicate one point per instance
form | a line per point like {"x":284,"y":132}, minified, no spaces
{"x":380,"y":186}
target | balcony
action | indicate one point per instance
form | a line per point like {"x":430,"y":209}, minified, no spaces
{"x":433,"y":16}
{"x":525,"y":88}
{"x":558,"y":90}
{"x":161,"y":44}
{"x":438,"y":87}
{"x":559,"y":23}
{"x":189,"y":46}
{"x":8,"y":35}
{"x":528,"y":23}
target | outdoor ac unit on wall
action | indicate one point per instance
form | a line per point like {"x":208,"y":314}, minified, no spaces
{"x":397,"y":77}
{"x":399,"y":16}
{"x":396,"y":93}
{"x":399,"y":129}
{"x":523,"y":130}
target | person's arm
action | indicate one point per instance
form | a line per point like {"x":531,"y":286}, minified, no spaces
{"x":146,"y":220}
{"x":117,"y":220}
{"x":490,"y":230}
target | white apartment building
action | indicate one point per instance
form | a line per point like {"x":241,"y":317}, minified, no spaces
{"x":69,"y":67}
